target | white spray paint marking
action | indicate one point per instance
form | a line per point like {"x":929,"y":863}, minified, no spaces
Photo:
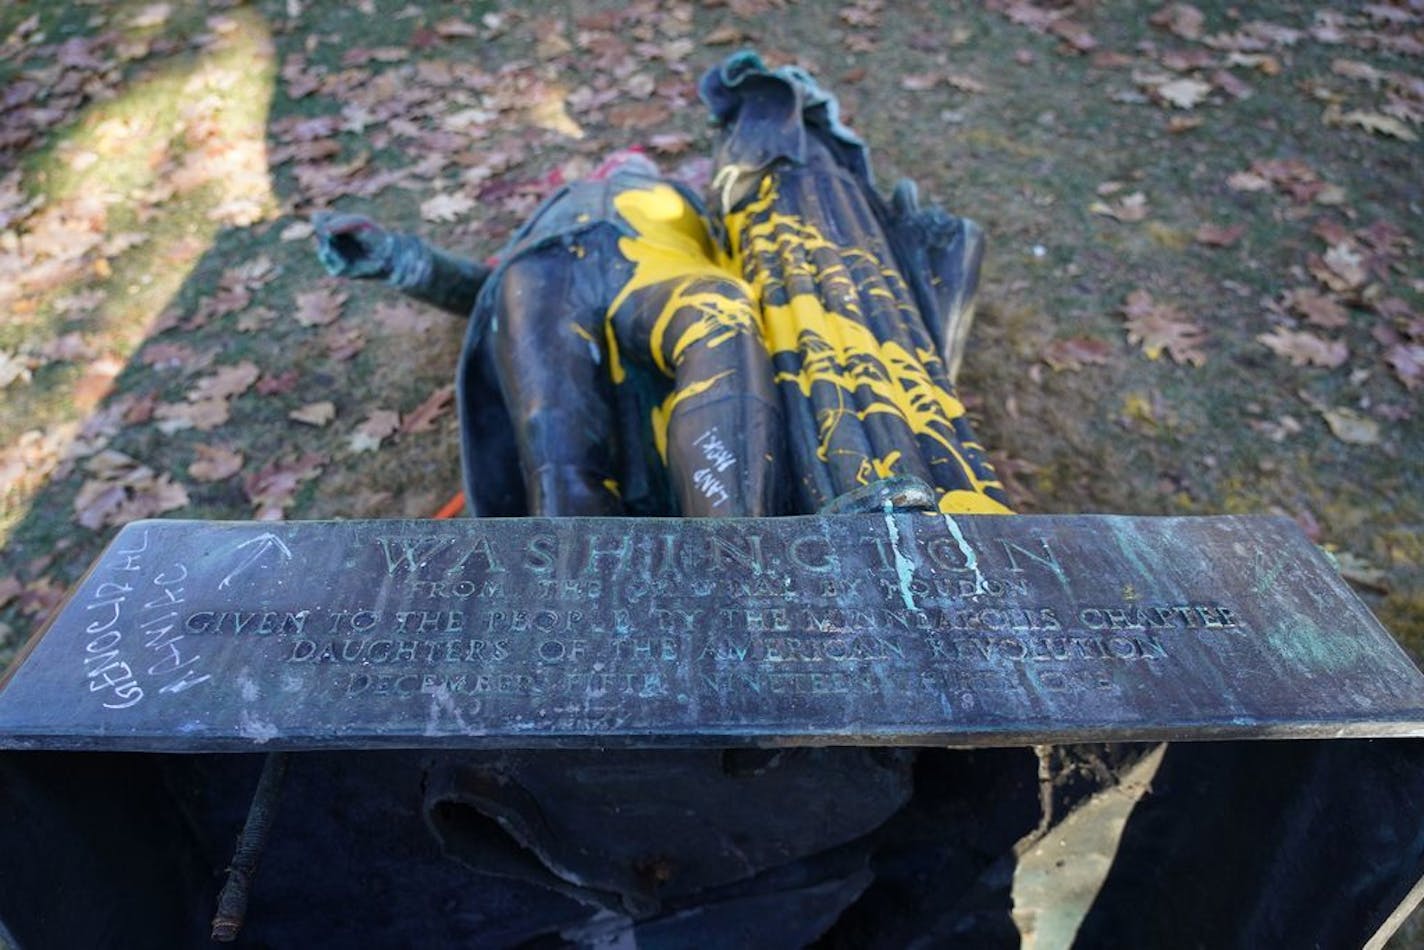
{"x":250,"y":727}
{"x":971,"y":560}
{"x":441,"y":700}
{"x":248,"y":687}
{"x":265,"y":542}
{"x":904,"y":567}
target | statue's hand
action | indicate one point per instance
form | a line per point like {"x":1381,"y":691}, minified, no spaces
{"x":352,"y":245}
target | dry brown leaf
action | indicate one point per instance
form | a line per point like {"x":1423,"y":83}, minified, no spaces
{"x":671,"y":143}
{"x":1407,"y":361}
{"x":1380,"y":124}
{"x":1129,"y":209}
{"x":1316,"y":308}
{"x":422,"y":418}
{"x":453,"y":27}
{"x":1217,"y":235}
{"x":1076,"y":352}
{"x":215,"y":462}
{"x":1306,"y":349}
{"x":724,"y":35}
{"x":1354,"y":69}
{"x":1162,"y":327}
{"x":1346,"y":263}
{"x":15,"y":367}
{"x":124,"y":490}
{"x":379,"y":425}
{"x":279,"y":384}
{"x":1247,"y":181}
{"x":314,"y":414}
{"x":203,"y":416}
{"x":1181,"y":19}
{"x":344,"y":342}
{"x":1349,"y":426}
{"x":638,"y":115}
{"x":1182,"y":93}
{"x":68,"y":348}
{"x":227,"y":383}
{"x":402,"y":317}
{"x":10,"y":588}
{"x":446,"y":207}
{"x":274,"y":487}
{"x":318,"y":307}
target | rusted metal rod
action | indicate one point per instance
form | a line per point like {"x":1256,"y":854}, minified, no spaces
{"x":232,"y":902}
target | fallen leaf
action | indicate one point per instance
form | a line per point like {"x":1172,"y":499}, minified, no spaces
{"x":214,"y":463}
{"x":1380,"y":124}
{"x":1317,"y":308}
{"x":724,"y":35}
{"x":1349,"y":426}
{"x":1076,"y":352}
{"x":379,"y":425}
{"x":453,"y":27}
{"x":1181,"y":19}
{"x":671,"y":143}
{"x":1247,"y":181}
{"x":1129,"y":209}
{"x":204,"y":415}
{"x":278,"y":384}
{"x":1354,"y":69}
{"x":68,"y":348}
{"x":422,"y":418}
{"x":124,"y":490}
{"x":1216,"y":235}
{"x":274,"y":488}
{"x":227,"y":383}
{"x":1183,"y":93}
{"x":15,"y":368}
{"x":344,"y":342}
{"x":1346,"y":263}
{"x":446,"y":207}
{"x":638,"y":115}
{"x":1162,"y":327}
{"x":1306,"y":349}
{"x":318,"y":307}
{"x":403,"y":316}
{"x":10,"y":588}
{"x":314,"y":414}
{"x":1407,"y":361}
{"x":1357,"y":570}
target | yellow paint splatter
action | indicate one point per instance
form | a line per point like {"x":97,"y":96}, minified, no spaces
{"x":835,"y":347}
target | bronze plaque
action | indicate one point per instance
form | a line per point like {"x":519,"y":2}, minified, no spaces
{"x":850,"y":629}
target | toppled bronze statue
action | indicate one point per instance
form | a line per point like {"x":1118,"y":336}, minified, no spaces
{"x":788,"y":347}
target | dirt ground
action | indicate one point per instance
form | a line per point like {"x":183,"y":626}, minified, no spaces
{"x":1203,"y":290}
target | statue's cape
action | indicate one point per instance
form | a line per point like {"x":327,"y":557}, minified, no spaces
{"x":858,"y":297}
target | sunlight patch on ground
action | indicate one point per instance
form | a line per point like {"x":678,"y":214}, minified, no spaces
{"x":132,"y":195}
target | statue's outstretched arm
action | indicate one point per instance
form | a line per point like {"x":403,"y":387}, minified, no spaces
{"x":352,"y":245}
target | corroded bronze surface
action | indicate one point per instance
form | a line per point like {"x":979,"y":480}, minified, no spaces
{"x":843,"y":630}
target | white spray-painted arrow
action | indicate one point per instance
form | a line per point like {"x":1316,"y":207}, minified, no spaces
{"x":265,"y":543}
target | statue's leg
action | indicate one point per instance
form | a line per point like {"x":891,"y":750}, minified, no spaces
{"x":549,"y":353}
{"x":721,"y":428}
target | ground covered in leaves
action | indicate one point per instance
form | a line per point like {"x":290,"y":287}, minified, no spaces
{"x":1203,"y":291}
